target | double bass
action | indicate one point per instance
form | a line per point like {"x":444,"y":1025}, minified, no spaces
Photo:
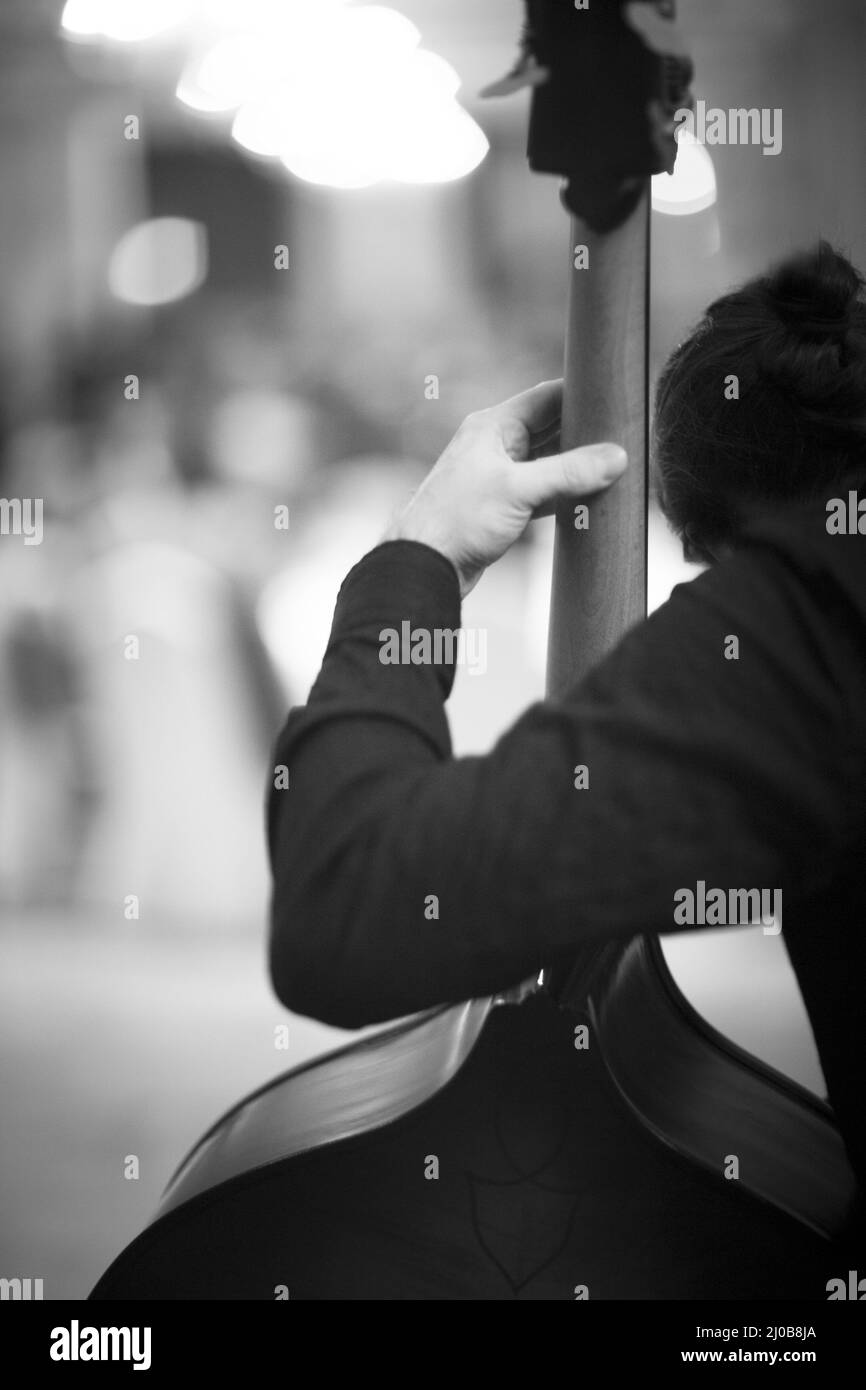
{"x":567,"y":1139}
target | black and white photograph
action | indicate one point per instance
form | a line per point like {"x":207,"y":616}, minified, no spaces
{"x":432,"y":670}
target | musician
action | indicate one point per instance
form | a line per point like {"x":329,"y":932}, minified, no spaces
{"x":744,"y":772}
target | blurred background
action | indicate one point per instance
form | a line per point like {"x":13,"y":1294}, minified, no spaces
{"x":258,"y":258}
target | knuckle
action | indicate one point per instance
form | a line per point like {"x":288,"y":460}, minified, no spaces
{"x":474,"y":421}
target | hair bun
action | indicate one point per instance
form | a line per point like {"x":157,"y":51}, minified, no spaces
{"x":815,"y":294}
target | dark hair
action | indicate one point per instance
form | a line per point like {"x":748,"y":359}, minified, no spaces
{"x":795,"y":339}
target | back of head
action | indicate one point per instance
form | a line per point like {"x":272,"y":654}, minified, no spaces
{"x":765,"y":403}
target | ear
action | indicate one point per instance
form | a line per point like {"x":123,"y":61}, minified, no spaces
{"x":697,"y":552}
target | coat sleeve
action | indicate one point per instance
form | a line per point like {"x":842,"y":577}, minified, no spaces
{"x":405,"y":878}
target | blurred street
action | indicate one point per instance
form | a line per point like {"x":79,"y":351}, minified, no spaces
{"x":133,"y":1043}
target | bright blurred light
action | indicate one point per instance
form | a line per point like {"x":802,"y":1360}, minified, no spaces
{"x":380,"y":33}
{"x":159,"y":261}
{"x":692,"y":185}
{"x":318,"y":158}
{"x":191,"y":94}
{"x":362,"y":104}
{"x":126,"y":20}
{"x":343,"y":95}
{"x":83,"y":16}
{"x":267,"y":17}
{"x":438,"y":148}
{"x":433,"y":76}
{"x":257,"y":128}
{"x":228,"y":73}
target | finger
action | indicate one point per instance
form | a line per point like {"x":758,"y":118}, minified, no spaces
{"x":535,"y":410}
{"x":549,"y":441}
{"x":576,"y":473}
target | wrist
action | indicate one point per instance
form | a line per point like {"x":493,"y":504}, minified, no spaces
{"x":403,"y":530}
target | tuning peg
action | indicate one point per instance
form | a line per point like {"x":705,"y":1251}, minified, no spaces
{"x":606,"y":118}
{"x":527,"y":72}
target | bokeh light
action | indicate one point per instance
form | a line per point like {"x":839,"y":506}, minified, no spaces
{"x":342,"y":96}
{"x":692,"y":186}
{"x":159,"y":261}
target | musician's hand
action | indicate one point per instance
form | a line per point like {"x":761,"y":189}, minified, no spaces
{"x":494,"y":477}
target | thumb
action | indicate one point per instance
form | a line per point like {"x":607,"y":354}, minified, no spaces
{"x":576,"y":473}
